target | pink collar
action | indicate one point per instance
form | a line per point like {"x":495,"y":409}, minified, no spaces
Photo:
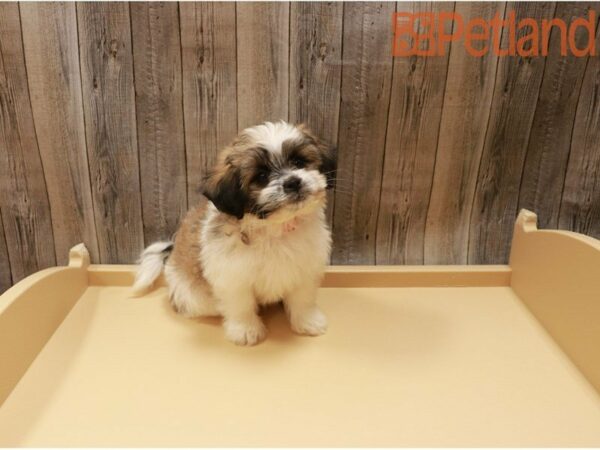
{"x":286,"y":227}
{"x":290,"y":225}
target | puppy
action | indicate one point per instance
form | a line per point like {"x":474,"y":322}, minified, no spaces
{"x":261,"y":238}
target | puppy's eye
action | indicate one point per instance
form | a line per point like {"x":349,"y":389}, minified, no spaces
{"x":298,"y":161}
{"x":261,"y":177}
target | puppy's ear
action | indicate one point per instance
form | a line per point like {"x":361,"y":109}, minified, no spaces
{"x":328,"y":165}
{"x":223,"y":187}
{"x":327,"y":152}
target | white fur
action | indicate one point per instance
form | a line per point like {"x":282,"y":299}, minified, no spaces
{"x":151,"y":265}
{"x":270,"y":135}
{"x":275,"y":265}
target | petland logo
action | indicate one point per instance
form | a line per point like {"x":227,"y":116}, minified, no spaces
{"x":425,"y":34}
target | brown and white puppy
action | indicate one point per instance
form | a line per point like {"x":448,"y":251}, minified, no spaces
{"x":262,"y":237}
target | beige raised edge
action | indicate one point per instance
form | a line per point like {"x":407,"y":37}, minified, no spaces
{"x":354,"y":276}
{"x":31,"y":311}
{"x":557,"y":275}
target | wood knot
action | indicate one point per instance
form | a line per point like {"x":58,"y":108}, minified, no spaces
{"x":322,"y":51}
{"x":114,"y":47}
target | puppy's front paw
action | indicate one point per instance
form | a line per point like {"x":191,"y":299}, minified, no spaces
{"x":245,"y":332}
{"x":311,"y":322}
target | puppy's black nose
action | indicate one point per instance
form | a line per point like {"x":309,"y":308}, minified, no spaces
{"x":292,"y":184}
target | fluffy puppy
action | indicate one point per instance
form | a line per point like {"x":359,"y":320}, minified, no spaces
{"x":261,"y":238}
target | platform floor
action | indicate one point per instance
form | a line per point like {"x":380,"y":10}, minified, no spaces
{"x":398,"y":367}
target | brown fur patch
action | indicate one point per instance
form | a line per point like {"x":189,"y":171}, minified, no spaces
{"x":304,"y":150}
{"x":327,"y":154}
{"x":186,"y":253}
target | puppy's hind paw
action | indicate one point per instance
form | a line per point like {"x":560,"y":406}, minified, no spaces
{"x":311,"y":322}
{"x":245,"y":333}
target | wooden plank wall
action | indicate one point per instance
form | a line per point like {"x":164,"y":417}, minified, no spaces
{"x":111,"y":113}
{"x":24,"y":198}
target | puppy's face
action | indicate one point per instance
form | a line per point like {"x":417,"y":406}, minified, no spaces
{"x":273,"y":171}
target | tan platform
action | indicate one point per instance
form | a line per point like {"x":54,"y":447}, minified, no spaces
{"x":435,"y":356}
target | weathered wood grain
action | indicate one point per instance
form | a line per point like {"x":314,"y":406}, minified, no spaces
{"x":316,"y":66}
{"x":513,"y":106}
{"x":159,"y":113}
{"x":580,"y":208}
{"x":465,"y":114}
{"x":315,"y":71}
{"x":109,"y":108}
{"x":209,"y":85}
{"x":262,"y":62}
{"x":366,"y":82}
{"x":551,"y":132}
{"x":111,"y":113}
{"x":5,"y":278}
{"x":412,"y":134}
{"x":52,"y":59}
{"x":23,"y":194}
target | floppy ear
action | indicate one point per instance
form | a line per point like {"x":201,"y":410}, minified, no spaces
{"x":328,"y":154}
{"x":223,"y":187}
{"x":328,"y":165}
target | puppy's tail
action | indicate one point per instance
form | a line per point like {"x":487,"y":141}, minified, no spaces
{"x":151,"y":266}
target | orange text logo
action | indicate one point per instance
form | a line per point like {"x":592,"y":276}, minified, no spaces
{"x":426,"y":34}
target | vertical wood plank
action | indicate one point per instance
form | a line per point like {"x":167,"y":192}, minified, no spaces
{"x":316,"y":66}
{"x":109,"y":111}
{"x":315,"y":70}
{"x":263,"y":62}
{"x":513,"y":106}
{"x":580,"y":208}
{"x":467,"y":101}
{"x":550,"y":138}
{"x":159,"y":114}
{"x":52,"y":58}
{"x":209,"y":85}
{"x":5,"y":278}
{"x":412,"y":135}
{"x":366,"y":82}
{"x":23,"y":196}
